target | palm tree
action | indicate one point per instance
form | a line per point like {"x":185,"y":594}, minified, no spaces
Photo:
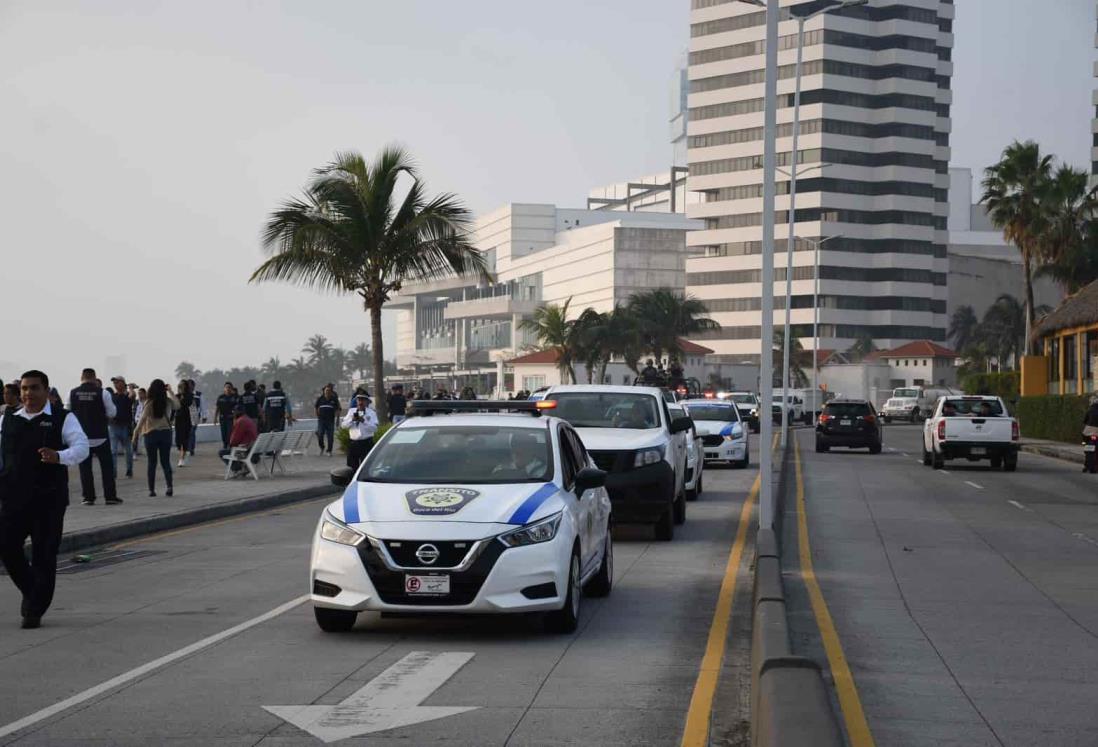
{"x":1013,"y":190}
{"x":317,"y":349}
{"x":962,"y":327}
{"x":1003,"y":328}
{"x":626,"y":339}
{"x":592,"y":343}
{"x":666,"y":316}
{"x":351,"y":233}
{"x":798,"y":358}
{"x":272,"y":368}
{"x":186,"y":370}
{"x":358,"y":359}
{"x":862,"y":347}
{"x":553,"y":331}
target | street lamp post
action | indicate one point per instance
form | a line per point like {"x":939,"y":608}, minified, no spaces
{"x":816,"y":244}
{"x":801,"y":19}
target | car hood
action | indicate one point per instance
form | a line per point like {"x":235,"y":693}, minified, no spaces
{"x":713,"y":427}
{"x":620,"y":439}
{"x":467,"y":511}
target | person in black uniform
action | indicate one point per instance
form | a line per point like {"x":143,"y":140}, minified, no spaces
{"x":249,"y":400}
{"x":261,"y":400}
{"x":276,"y":409}
{"x":94,"y":408}
{"x":327,"y":410}
{"x":223,"y":412}
{"x":38,"y":444}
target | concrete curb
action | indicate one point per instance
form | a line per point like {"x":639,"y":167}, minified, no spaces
{"x":1075,"y":457}
{"x":790,"y":703}
{"x":85,"y":538}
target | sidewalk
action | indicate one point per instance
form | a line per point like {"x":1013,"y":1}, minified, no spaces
{"x":1054,"y":449}
{"x":201,"y":494}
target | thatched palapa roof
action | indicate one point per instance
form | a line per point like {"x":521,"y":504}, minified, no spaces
{"x":1078,"y":310}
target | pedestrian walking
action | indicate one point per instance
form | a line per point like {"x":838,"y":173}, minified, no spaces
{"x":250,"y":401}
{"x":361,"y":422}
{"x":226,"y":404}
{"x":11,"y":399}
{"x":155,"y":426}
{"x":327,"y":410}
{"x":398,"y":404}
{"x":121,"y":426}
{"x":276,"y":409}
{"x":200,"y":406}
{"x":261,"y":403}
{"x":186,"y":417}
{"x":38,"y":443}
{"x":94,"y":409}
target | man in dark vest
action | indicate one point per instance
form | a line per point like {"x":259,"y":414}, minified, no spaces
{"x":94,"y":408}
{"x":276,"y":409}
{"x":37,"y":446}
{"x":121,"y":425}
{"x":249,"y":400}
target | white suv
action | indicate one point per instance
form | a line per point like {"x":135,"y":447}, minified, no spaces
{"x":632,"y":436}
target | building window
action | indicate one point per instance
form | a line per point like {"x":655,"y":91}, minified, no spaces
{"x":1090,"y":359}
{"x":1071,"y":368}
{"x":1054,"y":358}
{"x":530,"y":383}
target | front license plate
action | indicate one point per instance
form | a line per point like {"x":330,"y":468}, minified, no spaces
{"x":845,"y":422}
{"x":1089,"y":447}
{"x":977,"y":452}
{"x":430,"y":585}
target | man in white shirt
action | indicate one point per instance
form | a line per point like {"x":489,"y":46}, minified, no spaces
{"x":37,"y":445}
{"x":361,"y":422}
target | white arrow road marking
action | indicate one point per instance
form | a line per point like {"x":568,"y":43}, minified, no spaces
{"x":390,"y":700}
{"x":1016,"y":504}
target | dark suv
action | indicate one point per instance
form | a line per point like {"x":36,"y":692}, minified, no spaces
{"x":849,"y":422}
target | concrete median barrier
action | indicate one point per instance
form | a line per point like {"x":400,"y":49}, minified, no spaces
{"x":793,"y":707}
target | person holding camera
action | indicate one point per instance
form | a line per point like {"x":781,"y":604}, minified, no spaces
{"x":361,"y":422}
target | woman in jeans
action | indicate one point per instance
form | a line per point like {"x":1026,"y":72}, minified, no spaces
{"x":155,"y":425}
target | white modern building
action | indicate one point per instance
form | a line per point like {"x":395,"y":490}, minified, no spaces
{"x":873,"y":160}
{"x":459,"y":332}
{"x":982,"y":265}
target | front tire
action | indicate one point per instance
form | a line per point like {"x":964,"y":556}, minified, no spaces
{"x":566,"y":618}
{"x":665,"y":527}
{"x":334,"y":621}
{"x":603,"y":581}
{"x":680,"y":509}
{"x":692,"y":495}
{"x":743,"y":463}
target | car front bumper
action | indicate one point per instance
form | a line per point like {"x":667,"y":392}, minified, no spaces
{"x":360,"y":579}
{"x":641,"y":495}
{"x":728,"y":451}
{"x":897,"y":412}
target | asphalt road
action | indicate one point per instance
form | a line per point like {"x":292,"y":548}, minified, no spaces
{"x":965,"y":600}
{"x":625,"y":677}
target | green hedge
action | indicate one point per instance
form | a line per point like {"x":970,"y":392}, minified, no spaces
{"x":343,"y":436}
{"x":1055,"y":417}
{"x":1005,"y":384}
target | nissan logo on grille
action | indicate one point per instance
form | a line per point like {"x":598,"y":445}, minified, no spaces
{"x":427,"y":554}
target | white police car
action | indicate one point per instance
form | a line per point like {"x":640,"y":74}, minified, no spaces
{"x":478,"y":508}
{"x":723,"y":432}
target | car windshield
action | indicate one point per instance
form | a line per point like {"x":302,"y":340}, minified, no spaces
{"x":743,"y":399}
{"x":975,"y":408}
{"x":912,"y":393}
{"x":721,"y":413}
{"x":846,"y":409}
{"x":607,"y":410}
{"x":461,"y":454}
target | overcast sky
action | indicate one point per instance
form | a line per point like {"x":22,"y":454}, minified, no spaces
{"x":142,"y":144}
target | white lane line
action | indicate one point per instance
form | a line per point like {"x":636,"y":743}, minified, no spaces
{"x":1016,"y":504}
{"x":905,"y":453}
{"x":945,"y":472}
{"x":144,"y":669}
{"x":1080,"y":535}
{"x":978,"y":487}
{"x":920,"y":461}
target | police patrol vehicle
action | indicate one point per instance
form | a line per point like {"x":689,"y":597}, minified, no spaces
{"x":472,"y":507}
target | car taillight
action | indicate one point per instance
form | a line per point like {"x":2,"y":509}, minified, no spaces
{"x":869,"y":418}
{"x":1015,"y":433}
{"x":824,"y":418}
{"x":941,"y":430}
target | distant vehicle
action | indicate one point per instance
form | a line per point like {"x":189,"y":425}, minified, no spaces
{"x":972,"y":428}
{"x":793,"y":403}
{"x":812,"y":402}
{"x":748,"y":405}
{"x":695,"y":457}
{"x":848,"y":422}
{"x":480,"y":508}
{"x":723,"y":432}
{"x":631,"y":434}
{"x":913,"y":403}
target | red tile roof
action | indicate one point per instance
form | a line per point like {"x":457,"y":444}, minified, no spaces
{"x":920,"y":348}
{"x":822,"y":356}
{"x":693,"y":348}
{"x":538,"y":356}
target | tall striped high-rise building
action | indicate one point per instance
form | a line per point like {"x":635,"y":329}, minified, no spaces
{"x":873,"y":163}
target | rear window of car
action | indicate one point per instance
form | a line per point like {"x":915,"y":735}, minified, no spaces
{"x":722,"y":413}
{"x":976,"y":408}
{"x":846,"y":409}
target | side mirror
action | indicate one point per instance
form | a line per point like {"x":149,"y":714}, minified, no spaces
{"x":589,"y":478}
{"x":342,"y":476}
{"x":680,"y":425}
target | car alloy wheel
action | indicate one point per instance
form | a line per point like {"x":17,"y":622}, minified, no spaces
{"x":603,"y":581}
{"x":566,"y":618}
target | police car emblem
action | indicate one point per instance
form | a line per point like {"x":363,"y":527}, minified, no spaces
{"x":439,"y":501}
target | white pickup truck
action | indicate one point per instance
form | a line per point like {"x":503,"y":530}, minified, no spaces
{"x":972,"y":428}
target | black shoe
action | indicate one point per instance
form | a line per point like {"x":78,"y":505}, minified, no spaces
{"x":31,"y":621}
{"x":152,"y":493}
{"x":87,"y":502}
{"x":129,"y":474}
{"x":168,"y":492}
{"x":113,"y":501}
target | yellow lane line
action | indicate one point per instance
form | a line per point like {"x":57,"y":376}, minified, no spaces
{"x":215,"y":523}
{"x":696,"y":731}
{"x":857,"y":728}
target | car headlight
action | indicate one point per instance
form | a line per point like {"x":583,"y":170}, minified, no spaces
{"x":754,"y":411}
{"x":645,"y":457}
{"x":541,"y":531}
{"x":736,"y":433}
{"x":334,"y":530}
